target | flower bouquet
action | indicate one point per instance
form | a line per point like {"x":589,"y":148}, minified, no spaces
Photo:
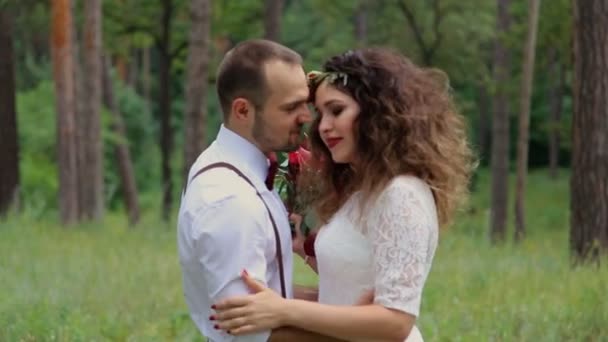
{"x":297,"y":192}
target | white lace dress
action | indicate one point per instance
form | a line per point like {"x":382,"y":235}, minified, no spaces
{"x":390,"y":250}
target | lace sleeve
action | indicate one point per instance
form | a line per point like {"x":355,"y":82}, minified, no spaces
{"x":402,"y":229}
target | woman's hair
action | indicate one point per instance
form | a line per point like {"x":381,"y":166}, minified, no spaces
{"x":408,"y":125}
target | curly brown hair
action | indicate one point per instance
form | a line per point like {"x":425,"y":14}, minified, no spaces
{"x":408,"y":125}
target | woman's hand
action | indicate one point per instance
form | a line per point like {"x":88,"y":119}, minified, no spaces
{"x":264,"y":310}
{"x":298,"y":239}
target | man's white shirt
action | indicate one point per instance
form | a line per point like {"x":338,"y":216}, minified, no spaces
{"x":224,"y":228}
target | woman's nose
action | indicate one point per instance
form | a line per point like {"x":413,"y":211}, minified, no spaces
{"x":325,"y":124}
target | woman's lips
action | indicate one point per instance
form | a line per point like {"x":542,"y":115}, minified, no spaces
{"x":331,"y":142}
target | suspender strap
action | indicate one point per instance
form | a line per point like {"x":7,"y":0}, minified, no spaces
{"x":277,"y":237}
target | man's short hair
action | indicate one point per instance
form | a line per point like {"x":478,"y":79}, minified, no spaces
{"x":241,"y":72}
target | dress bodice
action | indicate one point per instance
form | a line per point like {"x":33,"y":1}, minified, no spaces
{"x":387,"y":246}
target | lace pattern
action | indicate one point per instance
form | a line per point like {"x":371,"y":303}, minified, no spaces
{"x":390,"y":250}
{"x":402,"y":230}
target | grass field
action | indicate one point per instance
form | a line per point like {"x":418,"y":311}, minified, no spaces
{"x":105,"y":282}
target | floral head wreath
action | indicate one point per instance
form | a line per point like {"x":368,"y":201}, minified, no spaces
{"x":316,"y":77}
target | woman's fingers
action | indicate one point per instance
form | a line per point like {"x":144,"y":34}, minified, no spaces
{"x":230,"y":303}
{"x":229,"y":314}
{"x":233,"y":324}
{"x":245,"y":329}
{"x":297,"y":221}
{"x":251,"y":283}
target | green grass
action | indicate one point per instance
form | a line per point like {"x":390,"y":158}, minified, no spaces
{"x":105,"y":282}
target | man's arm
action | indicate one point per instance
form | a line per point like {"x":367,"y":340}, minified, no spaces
{"x":227,"y":244}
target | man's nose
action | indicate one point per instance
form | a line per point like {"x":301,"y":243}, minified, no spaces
{"x":305,"y":116}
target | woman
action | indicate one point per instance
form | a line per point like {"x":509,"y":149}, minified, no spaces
{"x":395,"y":166}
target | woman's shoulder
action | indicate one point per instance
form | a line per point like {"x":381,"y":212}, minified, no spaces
{"x":407,"y":184}
{"x":408,"y":191}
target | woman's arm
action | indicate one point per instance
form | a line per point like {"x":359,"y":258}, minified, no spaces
{"x":349,"y":322}
{"x":267,"y":310}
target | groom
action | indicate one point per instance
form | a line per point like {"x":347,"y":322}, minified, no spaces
{"x":230,"y":220}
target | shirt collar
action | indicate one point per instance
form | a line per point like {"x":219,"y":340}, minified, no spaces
{"x":243,"y":152}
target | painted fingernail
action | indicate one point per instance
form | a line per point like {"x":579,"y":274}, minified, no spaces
{"x":216,"y":326}
{"x":245,"y":273}
{"x":228,"y":331}
{"x":213,"y":306}
{"x":212,"y":318}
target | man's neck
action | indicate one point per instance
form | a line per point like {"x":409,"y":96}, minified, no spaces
{"x":245,"y":134}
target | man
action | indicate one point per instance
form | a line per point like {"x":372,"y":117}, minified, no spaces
{"x":228,"y":217}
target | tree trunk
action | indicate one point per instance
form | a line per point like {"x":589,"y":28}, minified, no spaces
{"x":145,"y":78}
{"x":9,"y":153}
{"x":132,"y":70}
{"x":79,"y":116}
{"x":121,"y":150}
{"x":122,"y":68}
{"x":273,"y":11}
{"x":196,"y":82}
{"x":500,"y":129}
{"x":484,"y":133}
{"x":92,"y":181}
{"x":166,"y":133}
{"x":63,"y":74}
{"x":589,"y":178}
{"x":555,"y":99}
{"x":361,"y":24}
{"x":524,"y":120}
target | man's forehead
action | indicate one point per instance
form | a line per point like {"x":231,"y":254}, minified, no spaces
{"x":277,"y":70}
{"x":287,"y":79}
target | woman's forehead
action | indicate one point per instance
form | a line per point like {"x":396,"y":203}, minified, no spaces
{"x":326,"y":93}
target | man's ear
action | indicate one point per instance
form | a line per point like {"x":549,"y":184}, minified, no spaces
{"x":242,"y":109}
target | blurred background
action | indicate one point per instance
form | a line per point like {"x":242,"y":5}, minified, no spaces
{"x":104,"y":105}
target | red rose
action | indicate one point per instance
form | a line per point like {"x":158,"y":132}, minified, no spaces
{"x":296,"y":159}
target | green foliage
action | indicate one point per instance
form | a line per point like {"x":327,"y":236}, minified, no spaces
{"x":37,"y":137}
{"x":137,"y":24}
{"x":31,"y":23}
{"x":142,"y":131}
{"x":317,"y":30}
{"x":237,"y":20}
{"x":36,"y":125}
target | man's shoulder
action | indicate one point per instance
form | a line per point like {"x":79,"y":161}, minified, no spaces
{"x":222,"y":189}
{"x":218,"y":186}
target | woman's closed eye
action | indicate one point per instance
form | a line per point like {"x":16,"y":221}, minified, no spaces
{"x":335,"y":111}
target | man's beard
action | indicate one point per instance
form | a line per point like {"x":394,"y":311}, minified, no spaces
{"x":261,"y":134}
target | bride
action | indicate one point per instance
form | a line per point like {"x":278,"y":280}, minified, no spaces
{"x":394,"y":165}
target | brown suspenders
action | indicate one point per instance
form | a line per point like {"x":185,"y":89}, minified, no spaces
{"x":274,"y":225}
